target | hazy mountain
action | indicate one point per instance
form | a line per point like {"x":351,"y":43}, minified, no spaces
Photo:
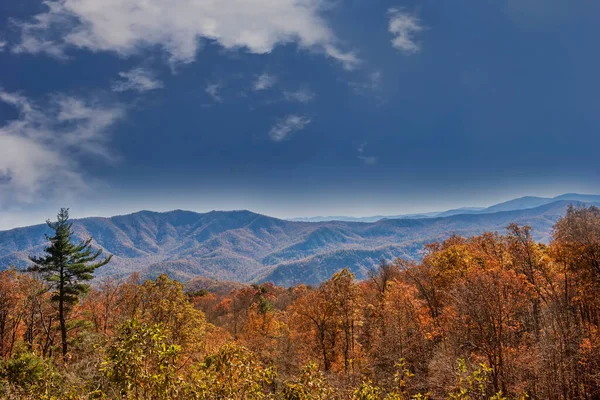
{"x":532,"y":202}
{"x":589,"y":198}
{"x":458,"y":211}
{"x":374,"y":218}
{"x":520,"y":203}
{"x":246,"y":247}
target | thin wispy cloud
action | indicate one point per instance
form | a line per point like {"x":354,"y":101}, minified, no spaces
{"x":404,"y":26}
{"x":264,"y":81}
{"x":128,"y":26}
{"x":212,"y":89}
{"x":302,"y":95}
{"x":369,"y":85}
{"x":2,"y":45}
{"x":349,"y":59}
{"x":367,"y":160}
{"x":375,"y":80}
{"x":138,"y":80}
{"x":287,"y":126}
{"x":54,"y":136}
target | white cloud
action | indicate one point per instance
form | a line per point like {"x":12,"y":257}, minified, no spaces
{"x":403,"y":26}
{"x":302,"y":95}
{"x":368,"y":160}
{"x":287,"y":126}
{"x":212,"y":89}
{"x":137,"y":79}
{"x":39,"y":150}
{"x":348,"y":59}
{"x":2,"y":45}
{"x":126,"y":26}
{"x":264,"y":81}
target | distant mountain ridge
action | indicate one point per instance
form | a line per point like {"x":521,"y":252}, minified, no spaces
{"x":243,"y":246}
{"x":511,"y":205}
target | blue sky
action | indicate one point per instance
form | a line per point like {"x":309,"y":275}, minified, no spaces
{"x":294,"y":107}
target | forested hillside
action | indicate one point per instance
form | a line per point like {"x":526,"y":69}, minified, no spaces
{"x":247,"y":247}
{"x":493,"y":316}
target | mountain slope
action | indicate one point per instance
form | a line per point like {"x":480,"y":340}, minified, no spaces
{"x":247,"y":247}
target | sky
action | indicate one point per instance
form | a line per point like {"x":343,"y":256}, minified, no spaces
{"x":294,"y":107}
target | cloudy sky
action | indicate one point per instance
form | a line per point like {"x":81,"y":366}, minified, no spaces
{"x":294,"y":107}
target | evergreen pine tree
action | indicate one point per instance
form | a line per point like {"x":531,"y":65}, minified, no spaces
{"x":65,"y":267}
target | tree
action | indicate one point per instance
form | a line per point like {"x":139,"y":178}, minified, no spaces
{"x":163,"y":301}
{"x":345,"y":297}
{"x":576,"y":250}
{"x":142,"y":363}
{"x":11,"y":313}
{"x":100,"y":305}
{"x":233,"y":372}
{"x":65,"y":267}
{"x":311,"y":384}
{"x":318,"y":317}
{"x":491,"y":305}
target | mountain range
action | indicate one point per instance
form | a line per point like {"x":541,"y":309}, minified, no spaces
{"x":520,"y":203}
{"x":243,"y":246}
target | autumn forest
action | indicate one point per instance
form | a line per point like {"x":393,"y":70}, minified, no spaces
{"x":495,"y":316}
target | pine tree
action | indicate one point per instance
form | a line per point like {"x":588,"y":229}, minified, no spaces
{"x":65,"y":267}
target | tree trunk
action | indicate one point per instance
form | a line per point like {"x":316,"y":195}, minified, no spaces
{"x":61,"y":316}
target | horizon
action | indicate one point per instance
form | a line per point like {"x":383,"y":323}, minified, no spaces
{"x":75,"y":215}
